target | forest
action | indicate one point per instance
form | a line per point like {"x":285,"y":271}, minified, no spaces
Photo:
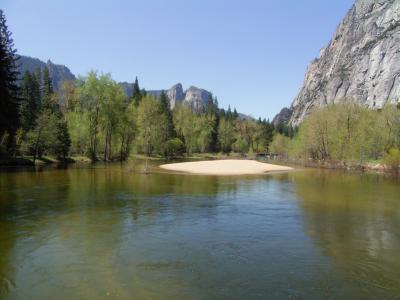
{"x":92,"y":117}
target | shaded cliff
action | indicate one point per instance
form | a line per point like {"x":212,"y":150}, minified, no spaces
{"x":58,"y":73}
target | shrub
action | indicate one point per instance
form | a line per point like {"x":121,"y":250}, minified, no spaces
{"x":392,"y":159}
{"x":280,"y":145}
{"x":174,"y":147}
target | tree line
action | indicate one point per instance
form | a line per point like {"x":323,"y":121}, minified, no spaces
{"x":93,"y":117}
{"x":106,"y":124}
{"x":345,"y":133}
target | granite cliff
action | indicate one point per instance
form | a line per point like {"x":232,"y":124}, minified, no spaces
{"x":361,"y":62}
{"x":193,"y":97}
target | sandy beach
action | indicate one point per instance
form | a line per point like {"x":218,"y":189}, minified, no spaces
{"x":225,"y":167}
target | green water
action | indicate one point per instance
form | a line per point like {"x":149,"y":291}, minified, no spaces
{"x":109,"y":232}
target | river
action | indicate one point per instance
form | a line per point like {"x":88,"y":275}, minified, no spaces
{"x":107,"y":231}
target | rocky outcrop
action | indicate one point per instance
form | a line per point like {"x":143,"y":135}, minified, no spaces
{"x":283,"y":117}
{"x":58,"y":73}
{"x":175,"y":94}
{"x":193,"y":97}
{"x":361,"y":63}
{"x":196,"y":98}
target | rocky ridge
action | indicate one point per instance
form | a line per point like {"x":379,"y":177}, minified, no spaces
{"x":58,"y":73}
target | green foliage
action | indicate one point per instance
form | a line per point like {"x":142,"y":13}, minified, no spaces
{"x":347,"y":132}
{"x":78,"y":128}
{"x":127,"y":129}
{"x":43,"y":137}
{"x":280,"y":145}
{"x":263,"y":135}
{"x":30,"y":101}
{"x":48,"y":92}
{"x":392,"y":159}
{"x":137,"y":95}
{"x":205,"y":128}
{"x":226,"y":135}
{"x":246,"y":131}
{"x":9,"y":111}
{"x":149,"y":125}
{"x":63,"y":140}
{"x":168,"y":129}
{"x":43,"y":126}
{"x":240,"y":145}
{"x":174,"y":147}
{"x":285,"y":129}
{"x":185,"y":124}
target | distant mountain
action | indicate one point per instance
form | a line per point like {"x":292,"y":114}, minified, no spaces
{"x":361,"y":62}
{"x":58,"y":73}
{"x":193,"y":97}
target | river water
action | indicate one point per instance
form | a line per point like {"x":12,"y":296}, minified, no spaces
{"x":111,"y":232}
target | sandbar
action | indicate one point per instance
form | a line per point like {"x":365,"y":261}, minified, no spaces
{"x":225,"y":167}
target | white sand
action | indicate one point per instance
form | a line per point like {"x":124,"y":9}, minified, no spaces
{"x":225,"y":167}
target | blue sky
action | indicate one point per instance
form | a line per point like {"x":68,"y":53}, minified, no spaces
{"x":251,"y":54}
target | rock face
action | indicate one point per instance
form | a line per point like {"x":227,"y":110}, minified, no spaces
{"x":175,"y":94}
{"x":196,"y":98}
{"x":193,"y":97}
{"x":283,"y":116}
{"x":361,"y":63}
{"x":58,"y":73}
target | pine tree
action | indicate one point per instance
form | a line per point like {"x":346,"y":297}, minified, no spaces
{"x":9,"y":118}
{"x":63,"y":140}
{"x":47,"y":91}
{"x":165,"y":110}
{"x":212,"y":111}
{"x":30,"y":101}
{"x":59,"y":132}
{"x":235,"y":114}
{"x":136,"y":93}
{"x":229,"y":113}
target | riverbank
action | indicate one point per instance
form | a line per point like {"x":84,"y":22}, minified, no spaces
{"x":25,"y":161}
{"x":225,"y":167}
{"x":368,"y":166}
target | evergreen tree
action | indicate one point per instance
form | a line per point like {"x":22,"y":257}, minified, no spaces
{"x":166,"y":115}
{"x":47,"y":91}
{"x":210,"y":109}
{"x":222,"y":113}
{"x":58,"y":128}
{"x":229,"y":113}
{"x":235,"y":114}
{"x":63,"y":140}
{"x":30,"y":101}
{"x":9,"y":118}
{"x":212,"y":112}
{"x":136,"y":93}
